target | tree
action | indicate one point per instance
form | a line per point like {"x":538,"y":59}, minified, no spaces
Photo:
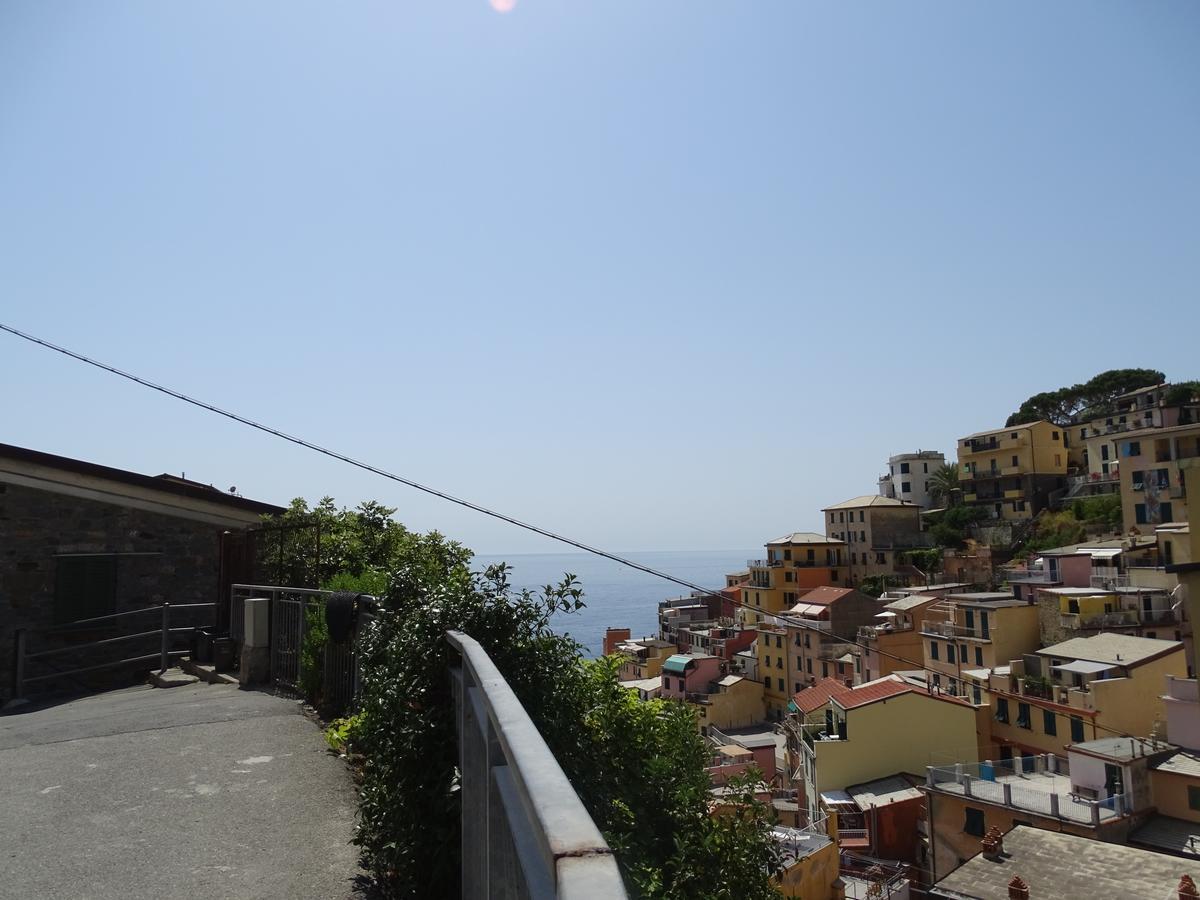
{"x":950,"y":527}
{"x":943,"y":485}
{"x":1093,"y":397}
{"x":638,"y":766}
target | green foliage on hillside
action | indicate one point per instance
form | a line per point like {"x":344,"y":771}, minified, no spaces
{"x":949,"y":528}
{"x":1093,"y":396}
{"x":1183,"y":392}
{"x":1076,"y":523}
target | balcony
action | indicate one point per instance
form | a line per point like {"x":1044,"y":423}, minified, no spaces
{"x":1032,"y":575}
{"x":874,"y":632}
{"x":1038,"y":784}
{"x":763,"y":563}
{"x":1183,"y":689}
{"x":952,"y":630}
{"x":1107,"y":579}
{"x":525,"y":832}
{"x":1121,"y":618}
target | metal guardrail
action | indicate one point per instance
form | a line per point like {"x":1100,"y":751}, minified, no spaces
{"x":525,"y":832}
{"x":21,"y":655}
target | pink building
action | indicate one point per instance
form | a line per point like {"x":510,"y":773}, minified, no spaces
{"x":689,"y":674}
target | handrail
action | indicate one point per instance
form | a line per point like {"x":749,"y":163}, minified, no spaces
{"x":128,"y":612}
{"x":541,"y":821}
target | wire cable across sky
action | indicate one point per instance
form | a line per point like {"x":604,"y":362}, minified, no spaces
{"x":536,"y":529}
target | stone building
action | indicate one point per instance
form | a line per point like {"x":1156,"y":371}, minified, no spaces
{"x":80,"y":540}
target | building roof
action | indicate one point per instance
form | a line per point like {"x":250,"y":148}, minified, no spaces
{"x":982,"y":596}
{"x":1181,"y":762}
{"x":910,"y":602}
{"x":805,"y":537}
{"x":678,"y":662}
{"x":1110,"y":647}
{"x":882,"y":791}
{"x":813,"y":698}
{"x":871,"y":500}
{"x":949,"y":585}
{"x":823,"y":596}
{"x":730,"y":680}
{"x":1121,"y":748}
{"x":644,"y":684}
{"x":1075,"y":592}
{"x":1066,"y":867}
{"x":1169,"y":834}
{"x":163,"y":484}
{"x":1003,"y":428}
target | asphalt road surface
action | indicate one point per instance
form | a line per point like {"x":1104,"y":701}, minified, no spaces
{"x":202,"y":791}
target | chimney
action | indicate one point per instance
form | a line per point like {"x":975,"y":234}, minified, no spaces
{"x":1018,"y":889}
{"x":1187,"y":888}
{"x":993,"y":843}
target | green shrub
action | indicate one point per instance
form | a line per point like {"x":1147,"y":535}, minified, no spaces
{"x":638,"y":767}
{"x":344,"y":732}
{"x":312,"y":653}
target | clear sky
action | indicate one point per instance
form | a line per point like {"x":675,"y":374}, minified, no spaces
{"x":662,"y":275}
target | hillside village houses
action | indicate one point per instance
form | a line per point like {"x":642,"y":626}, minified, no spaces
{"x":898,"y":713}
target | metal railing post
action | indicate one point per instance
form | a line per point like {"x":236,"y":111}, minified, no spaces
{"x":166,"y":636}
{"x":19,"y":664}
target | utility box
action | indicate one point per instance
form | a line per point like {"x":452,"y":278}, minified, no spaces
{"x":257,"y":628}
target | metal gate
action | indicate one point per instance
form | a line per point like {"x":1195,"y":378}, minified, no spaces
{"x":287,"y":639}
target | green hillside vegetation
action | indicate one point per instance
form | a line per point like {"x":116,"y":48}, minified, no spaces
{"x":1076,"y":523}
{"x":1093,"y":397}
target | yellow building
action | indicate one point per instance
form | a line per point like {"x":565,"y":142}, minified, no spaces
{"x":1151,"y":465}
{"x":840,"y":736}
{"x":1188,"y":572}
{"x":795,"y":563}
{"x":730,"y":702}
{"x":1011,"y":472}
{"x":894,"y":642}
{"x":1088,"y":688}
{"x":774,"y":668}
{"x":975,"y":631}
{"x":877,"y":532}
{"x":644,"y":658}
{"x":811,"y":866}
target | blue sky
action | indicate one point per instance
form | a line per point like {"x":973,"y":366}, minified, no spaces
{"x":659,"y":275}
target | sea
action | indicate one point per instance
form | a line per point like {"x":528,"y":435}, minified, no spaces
{"x":618,"y":596}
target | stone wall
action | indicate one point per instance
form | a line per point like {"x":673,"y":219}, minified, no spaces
{"x":160,"y":558}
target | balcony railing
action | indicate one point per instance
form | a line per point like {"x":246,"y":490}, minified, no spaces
{"x":951,"y":630}
{"x":1108,"y":581}
{"x":763,"y":563}
{"x":525,"y":832}
{"x":1122,"y":618}
{"x":1039,"y":784}
{"x":1183,"y":689}
{"x":1031,"y":575}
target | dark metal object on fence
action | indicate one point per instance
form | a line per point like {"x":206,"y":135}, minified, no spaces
{"x":340,"y":613}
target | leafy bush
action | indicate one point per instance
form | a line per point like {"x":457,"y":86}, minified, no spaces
{"x":638,"y":767}
{"x":949,"y":529}
{"x":343,"y":732}
{"x":312,"y":653}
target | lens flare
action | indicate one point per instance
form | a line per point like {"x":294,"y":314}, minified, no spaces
{"x":503,"y":6}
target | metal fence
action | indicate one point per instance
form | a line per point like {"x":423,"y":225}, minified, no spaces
{"x":525,"y":832}
{"x":162,"y":632}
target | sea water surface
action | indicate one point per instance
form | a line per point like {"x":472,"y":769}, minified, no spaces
{"x":616,"y":595}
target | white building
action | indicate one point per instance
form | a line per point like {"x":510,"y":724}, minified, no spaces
{"x":908,"y":475}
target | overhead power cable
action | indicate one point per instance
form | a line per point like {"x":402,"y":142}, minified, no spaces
{"x":536,"y":529}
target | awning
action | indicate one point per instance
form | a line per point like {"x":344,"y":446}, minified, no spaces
{"x":1084,"y":667}
{"x":1104,"y":553}
{"x":837,"y":798}
{"x":677,"y":663}
{"x":885,"y":615}
{"x":811,"y":610}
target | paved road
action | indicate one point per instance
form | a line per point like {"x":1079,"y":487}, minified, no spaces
{"x":193,"y":792}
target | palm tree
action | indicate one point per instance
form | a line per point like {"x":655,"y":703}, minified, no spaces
{"x":943,"y":485}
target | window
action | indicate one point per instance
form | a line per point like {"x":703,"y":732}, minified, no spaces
{"x":807,"y":639}
{"x":789,"y":575}
{"x":862,"y":516}
{"x":787,"y":554}
{"x":831,"y":518}
{"x":1076,"y":729}
{"x":757,"y":600}
{"x":1023,"y":716}
{"x":933,"y":650}
{"x":1164,"y":513}
{"x":1193,"y":797}
{"x":976,"y":696}
{"x":841,"y":517}
{"x":979,"y":656}
{"x":798,"y":688}
{"x":1054,"y":435}
{"x":781,"y":687}
{"x":779,"y":665}
{"x":880,"y":558}
{"x":974,"y":822}
{"x":962,"y":652}
{"x":949,"y":653}
{"x":905,"y":487}
{"x":824,"y":669}
{"x":84,"y":586}
{"x":926,"y":468}
{"x":903,"y":468}
{"x":767,"y":660}
{"x":1131,"y":448}
{"x":862,"y":535}
{"x":1049,"y":722}
{"x":1058,"y":459}
{"x":1016,"y":461}
{"x":808,"y":665}
{"x":1104,"y":451}
{"x":767,"y":682}
{"x":1002,"y":710}
{"x":779,"y":641}
{"x":853,"y":559}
